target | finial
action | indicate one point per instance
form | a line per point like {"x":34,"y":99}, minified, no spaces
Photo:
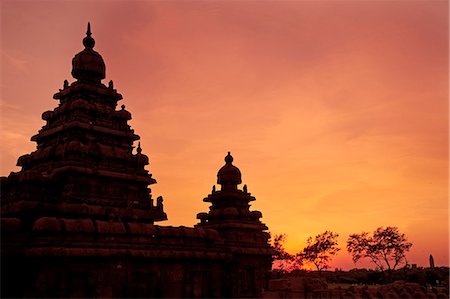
{"x":111,"y":84}
{"x":229,"y":158}
{"x":66,"y":84}
{"x":88,"y":32}
{"x":245,"y":188}
{"x":88,"y":41}
{"x":214,"y":189}
{"x":123,"y":108}
{"x":139,"y":150}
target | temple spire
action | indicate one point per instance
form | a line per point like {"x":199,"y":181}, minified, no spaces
{"x":88,"y":65}
{"x":88,"y":41}
{"x":229,"y":158}
{"x":88,"y":33}
{"x":229,"y":176}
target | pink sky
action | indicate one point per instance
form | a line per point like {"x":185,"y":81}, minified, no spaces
{"x":336,"y":112}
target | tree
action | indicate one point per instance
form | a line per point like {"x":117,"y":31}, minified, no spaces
{"x":320,"y":251}
{"x":282,"y":259}
{"x":386,"y":248}
{"x":278,"y":246}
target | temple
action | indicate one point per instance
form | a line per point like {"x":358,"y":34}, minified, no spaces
{"x":78,"y":219}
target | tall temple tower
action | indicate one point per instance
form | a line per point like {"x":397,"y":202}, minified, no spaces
{"x":78,"y":220}
{"x":243,"y":232}
{"x":84,"y":160}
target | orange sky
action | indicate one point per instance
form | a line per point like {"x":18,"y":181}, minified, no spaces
{"x":336,"y":112}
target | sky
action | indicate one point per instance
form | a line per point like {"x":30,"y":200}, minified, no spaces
{"x":336,"y":112}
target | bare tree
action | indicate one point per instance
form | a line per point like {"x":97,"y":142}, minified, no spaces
{"x":320,"y":251}
{"x":386,"y":248}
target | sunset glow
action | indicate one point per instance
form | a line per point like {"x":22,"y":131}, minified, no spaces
{"x":336,"y":112}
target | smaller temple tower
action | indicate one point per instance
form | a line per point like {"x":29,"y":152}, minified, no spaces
{"x":242,"y":231}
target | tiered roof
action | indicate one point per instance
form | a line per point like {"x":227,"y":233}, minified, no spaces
{"x":230,"y":213}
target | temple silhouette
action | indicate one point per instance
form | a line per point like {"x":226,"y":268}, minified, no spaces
{"x":78,"y":219}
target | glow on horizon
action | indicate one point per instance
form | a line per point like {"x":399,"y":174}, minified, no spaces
{"x":335,"y":112}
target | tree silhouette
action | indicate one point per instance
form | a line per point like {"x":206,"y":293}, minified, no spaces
{"x":282,"y":259}
{"x":320,"y":251}
{"x":386,"y":248}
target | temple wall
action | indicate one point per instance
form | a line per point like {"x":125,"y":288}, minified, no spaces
{"x":80,"y":259}
{"x":112,"y":277}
